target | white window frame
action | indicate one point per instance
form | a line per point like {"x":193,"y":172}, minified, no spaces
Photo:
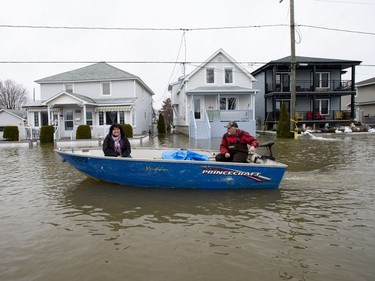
{"x":66,"y":87}
{"x":318,"y":106}
{"x":210,"y":70}
{"x":109,"y":88}
{"x":228,"y":70}
{"x":227,"y":103}
{"x":320,"y":80}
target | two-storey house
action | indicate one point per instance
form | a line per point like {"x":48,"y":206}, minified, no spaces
{"x":97,"y":95}
{"x":218,"y":91}
{"x":319,"y":89}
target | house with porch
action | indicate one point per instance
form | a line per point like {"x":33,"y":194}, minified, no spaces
{"x":98,"y":95}
{"x":319,"y":89}
{"x":218,"y":91}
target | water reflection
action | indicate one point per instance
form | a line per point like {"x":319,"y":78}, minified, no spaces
{"x":115,"y":203}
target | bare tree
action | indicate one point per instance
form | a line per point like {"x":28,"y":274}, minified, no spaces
{"x":12,"y":95}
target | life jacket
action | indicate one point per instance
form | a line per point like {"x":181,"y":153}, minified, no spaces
{"x":238,"y":146}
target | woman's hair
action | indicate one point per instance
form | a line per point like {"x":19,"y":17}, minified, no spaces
{"x":117,"y":126}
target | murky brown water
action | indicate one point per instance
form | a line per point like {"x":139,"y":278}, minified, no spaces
{"x":320,"y":225}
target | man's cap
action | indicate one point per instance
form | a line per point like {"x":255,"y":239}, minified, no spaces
{"x":231,"y":124}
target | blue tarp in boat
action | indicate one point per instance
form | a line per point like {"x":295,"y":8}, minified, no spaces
{"x":184,"y":155}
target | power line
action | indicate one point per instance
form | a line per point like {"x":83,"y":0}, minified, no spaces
{"x":179,"y":29}
{"x":346,"y":2}
{"x":192,"y":63}
{"x":137,"y":28}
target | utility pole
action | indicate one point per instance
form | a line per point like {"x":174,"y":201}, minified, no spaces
{"x":292,"y":68}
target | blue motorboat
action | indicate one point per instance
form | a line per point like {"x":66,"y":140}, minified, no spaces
{"x":171,"y":168}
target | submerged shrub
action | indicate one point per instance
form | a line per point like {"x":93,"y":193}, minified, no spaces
{"x":83,"y":132}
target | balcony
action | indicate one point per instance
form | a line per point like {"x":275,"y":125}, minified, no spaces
{"x":307,"y":86}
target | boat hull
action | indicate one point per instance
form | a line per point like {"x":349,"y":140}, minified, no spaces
{"x":178,"y":174}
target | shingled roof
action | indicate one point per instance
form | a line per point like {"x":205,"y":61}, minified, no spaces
{"x":100,"y":71}
{"x":343,"y":64}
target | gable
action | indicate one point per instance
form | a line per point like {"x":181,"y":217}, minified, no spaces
{"x":11,"y":117}
{"x":220,"y":60}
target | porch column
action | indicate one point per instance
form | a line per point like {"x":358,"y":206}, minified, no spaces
{"x":352,"y":97}
{"x":49,"y":115}
{"x":84,"y":115}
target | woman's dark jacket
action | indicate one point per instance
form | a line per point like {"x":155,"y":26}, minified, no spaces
{"x":109,"y":146}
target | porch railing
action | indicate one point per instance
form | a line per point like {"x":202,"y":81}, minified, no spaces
{"x":307,"y":86}
{"x":229,"y":115}
{"x":301,"y":116}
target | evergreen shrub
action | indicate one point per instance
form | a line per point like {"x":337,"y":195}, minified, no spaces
{"x":128,"y":130}
{"x":46,"y":134}
{"x":83,"y":132}
{"x":161,"y":125}
{"x":283,"y":126}
{"x":11,"y":133}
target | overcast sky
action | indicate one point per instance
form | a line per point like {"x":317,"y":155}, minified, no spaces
{"x":328,"y":28}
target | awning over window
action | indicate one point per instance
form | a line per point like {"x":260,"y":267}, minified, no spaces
{"x":113,"y":108}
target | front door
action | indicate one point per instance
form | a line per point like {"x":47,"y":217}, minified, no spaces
{"x":198,"y":106}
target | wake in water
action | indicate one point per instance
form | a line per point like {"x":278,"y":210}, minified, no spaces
{"x":309,"y":134}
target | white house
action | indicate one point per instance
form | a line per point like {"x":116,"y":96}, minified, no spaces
{"x":10,"y":117}
{"x":218,"y":91}
{"x":97,"y":95}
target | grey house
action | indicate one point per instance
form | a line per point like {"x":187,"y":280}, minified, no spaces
{"x":319,"y":90}
{"x":365,"y":101}
{"x":97,"y":95}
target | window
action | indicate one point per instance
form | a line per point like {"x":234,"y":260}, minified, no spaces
{"x":282,"y":82}
{"x":44,"y":115}
{"x":322,"y":105}
{"x":101,"y":118}
{"x":69,"y":120}
{"x":55,"y":119}
{"x":36,"y":119}
{"x":210,"y":75}
{"x":106,"y":88}
{"x":89,"y":118}
{"x":197,"y":108}
{"x":322,"y":79}
{"x":228,"y":103}
{"x":122,"y":117}
{"x":69,"y":88}
{"x":228,"y":76}
{"x":111,"y":117}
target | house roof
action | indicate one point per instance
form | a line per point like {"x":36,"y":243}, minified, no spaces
{"x":84,"y":100}
{"x":366,"y":82}
{"x":220,"y":51}
{"x":343,"y":64}
{"x":100,"y":71}
{"x":17,"y":113}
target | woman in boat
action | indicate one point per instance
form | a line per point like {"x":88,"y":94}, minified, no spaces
{"x":116,"y":143}
{"x":236,"y":145}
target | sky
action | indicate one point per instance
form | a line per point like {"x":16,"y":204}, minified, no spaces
{"x":152,"y":38}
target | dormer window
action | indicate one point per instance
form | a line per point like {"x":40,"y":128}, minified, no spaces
{"x":69,"y":88}
{"x":228,"y":76}
{"x":210,"y":75}
{"x":106,"y":89}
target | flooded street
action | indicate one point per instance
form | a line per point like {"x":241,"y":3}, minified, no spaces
{"x":57,"y":224}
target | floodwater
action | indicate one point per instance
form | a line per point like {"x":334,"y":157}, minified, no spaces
{"x":56,"y":224}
